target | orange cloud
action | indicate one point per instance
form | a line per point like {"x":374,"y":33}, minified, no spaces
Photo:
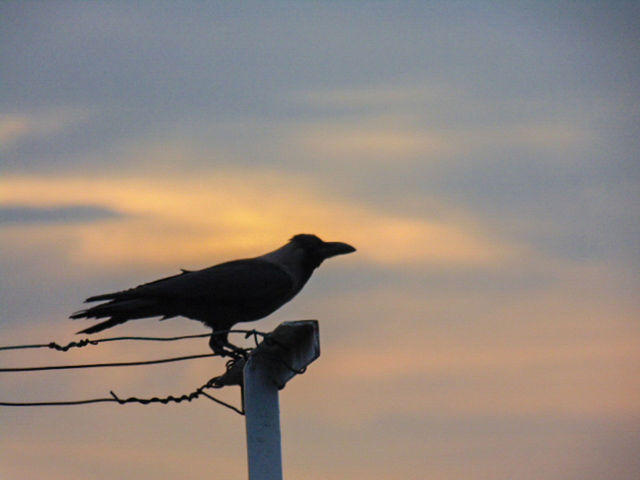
{"x":236,"y":212}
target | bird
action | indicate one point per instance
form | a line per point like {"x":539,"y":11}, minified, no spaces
{"x":222,"y":295}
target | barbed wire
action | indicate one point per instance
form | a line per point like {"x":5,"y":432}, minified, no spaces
{"x":212,"y":383}
{"x":237,"y":355}
{"x":240,"y":352}
{"x":86,"y":341}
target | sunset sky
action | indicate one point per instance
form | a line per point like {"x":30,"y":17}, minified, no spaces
{"x":483,"y":157}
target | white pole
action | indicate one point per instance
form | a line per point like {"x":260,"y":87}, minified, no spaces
{"x":284,"y":353}
{"x":262,"y":413}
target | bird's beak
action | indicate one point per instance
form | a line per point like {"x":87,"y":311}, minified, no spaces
{"x":331,"y":249}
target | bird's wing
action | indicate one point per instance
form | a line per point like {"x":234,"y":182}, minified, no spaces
{"x":228,"y":283}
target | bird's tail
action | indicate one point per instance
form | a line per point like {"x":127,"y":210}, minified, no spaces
{"x":103,"y":325}
{"x":119,"y":312}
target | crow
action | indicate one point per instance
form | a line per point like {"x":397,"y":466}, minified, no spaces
{"x":222,"y":295}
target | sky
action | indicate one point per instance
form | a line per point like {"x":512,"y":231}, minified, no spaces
{"x":481,"y":156}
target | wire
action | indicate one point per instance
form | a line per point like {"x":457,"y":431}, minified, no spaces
{"x":48,"y":404}
{"x":115,"y":364}
{"x":144,"y":401}
{"x":213,"y":383}
{"x":84,"y":342}
{"x":216,"y":382}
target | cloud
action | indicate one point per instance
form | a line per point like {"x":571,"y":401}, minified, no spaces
{"x":12,"y":127}
{"x":378,"y":140}
{"x":426,"y":121}
{"x":17,"y":214}
{"x":389,"y":140}
{"x":18,"y":126}
{"x":374,"y":97}
{"x":239,"y":212}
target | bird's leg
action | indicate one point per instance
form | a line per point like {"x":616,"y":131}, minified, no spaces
{"x":220,"y":345}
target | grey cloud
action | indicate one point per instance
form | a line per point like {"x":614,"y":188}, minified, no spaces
{"x":230,"y":60}
{"x":67,"y":214}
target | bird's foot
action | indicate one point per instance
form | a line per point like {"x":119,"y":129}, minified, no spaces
{"x":235,"y":353}
{"x":226,"y":349}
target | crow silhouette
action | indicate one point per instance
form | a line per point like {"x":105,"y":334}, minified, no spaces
{"x":222,"y":295}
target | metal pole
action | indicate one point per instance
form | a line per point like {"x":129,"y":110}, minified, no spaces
{"x":284,"y":353}
{"x":262,"y":413}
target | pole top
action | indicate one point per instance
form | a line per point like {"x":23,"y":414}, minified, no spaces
{"x":283,"y":353}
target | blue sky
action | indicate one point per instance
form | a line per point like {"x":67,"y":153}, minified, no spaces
{"x":482,"y":157}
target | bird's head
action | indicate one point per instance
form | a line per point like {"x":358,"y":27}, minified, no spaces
{"x":316,"y":250}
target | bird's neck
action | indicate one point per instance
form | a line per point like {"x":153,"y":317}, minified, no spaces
{"x":294,"y":260}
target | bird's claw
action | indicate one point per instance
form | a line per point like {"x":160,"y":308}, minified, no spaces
{"x":227,"y":349}
{"x":235,"y":353}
